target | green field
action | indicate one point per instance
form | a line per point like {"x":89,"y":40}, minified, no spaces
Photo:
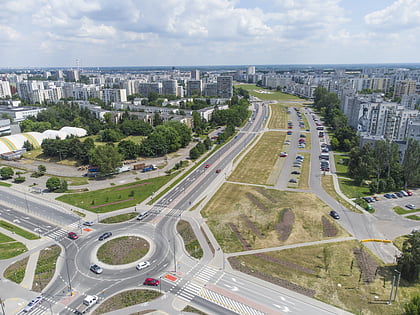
{"x":278,"y":117}
{"x":273,"y":95}
{"x":120,"y":218}
{"x":9,"y":247}
{"x":13,"y":228}
{"x":256,"y":212}
{"x":257,"y":165}
{"x":335,"y":274}
{"x":118,"y":197}
{"x":45,"y":267}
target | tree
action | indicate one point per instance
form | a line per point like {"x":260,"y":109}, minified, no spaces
{"x":409,"y":260}
{"x":6,"y":172}
{"x":411,"y":163}
{"x":106,"y":158}
{"x":42,"y":169}
{"x":28,"y":145}
{"x":53,"y":183}
{"x":128,"y":149}
{"x":413,"y":307}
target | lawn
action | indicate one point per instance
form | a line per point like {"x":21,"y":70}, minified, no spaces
{"x":341,"y":164}
{"x":328,"y":185}
{"x":16,"y":271}
{"x":123,"y":250}
{"x":258,"y":164}
{"x":351,"y":189}
{"x":18,"y":230}
{"x":126,"y":299}
{"x":401,"y":210}
{"x":9,"y":247}
{"x":120,"y":218}
{"x":413,"y":217}
{"x":118,"y":197}
{"x":5,"y":184}
{"x":269,"y":95}
{"x":335,"y":273}
{"x":278,"y":117}
{"x":45,"y":267}
{"x":192,"y":245}
{"x":257,"y":215}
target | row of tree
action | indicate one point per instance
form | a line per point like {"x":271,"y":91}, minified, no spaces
{"x":379,"y":163}
{"x":328,"y":104}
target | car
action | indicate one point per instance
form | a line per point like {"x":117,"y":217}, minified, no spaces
{"x":73,"y":236}
{"x":32,"y":304}
{"x":295,"y":173}
{"x":388,"y":196}
{"x":325,"y":169}
{"x":398,"y":194}
{"x":289,"y":132}
{"x":368,"y":199}
{"x":283,"y":154}
{"x":302,"y":136}
{"x":88,"y":223}
{"x":292,"y":180}
{"x":394,"y":196}
{"x":151,"y":281}
{"x":297,"y":165}
{"x":334,"y":214}
{"x":301,"y":146}
{"x":409,"y":192}
{"x":96,"y":269}
{"x":207,"y":165}
{"x":301,"y":140}
{"x":290,"y":127}
{"x":300,"y":157}
{"x":218,"y":170}
{"x":142,"y":265}
{"x":104,"y":236}
{"x":404,"y":193}
{"x":410,"y":206}
{"x":376,"y":198}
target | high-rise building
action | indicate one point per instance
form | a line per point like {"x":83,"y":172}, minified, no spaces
{"x":169,"y":87}
{"x":250,"y":70}
{"x":404,"y":87}
{"x":194,"y":87}
{"x":114,"y":95}
{"x":195,"y":75}
{"x":5,"y":89}
{"x":225,"y":86}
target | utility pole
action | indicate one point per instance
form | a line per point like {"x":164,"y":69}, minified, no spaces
{"x":174,"y":256}
{"x":398,"y":283}
{"x":68,"y":275}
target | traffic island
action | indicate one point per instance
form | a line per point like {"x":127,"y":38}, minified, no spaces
{"x":123,"y":250}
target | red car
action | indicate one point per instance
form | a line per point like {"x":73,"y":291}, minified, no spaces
{"x":290,"y":127}
{"x":207,"y":166}
{"x":151,"y":281}
{"x":289,"y":132}
{"x":409,"y":193}
{"x":283,"y":154}
{"x":218,"y":171}
{"x":73,"y":236}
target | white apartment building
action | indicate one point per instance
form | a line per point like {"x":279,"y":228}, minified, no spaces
{"x":113,"y":95}
{"x":5,"y":89}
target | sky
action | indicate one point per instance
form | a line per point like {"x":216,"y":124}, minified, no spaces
{"x":56,"y":33}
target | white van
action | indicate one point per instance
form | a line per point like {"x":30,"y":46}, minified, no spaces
{"x":142,"y":215}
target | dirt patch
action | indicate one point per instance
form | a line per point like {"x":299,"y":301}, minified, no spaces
{"x":238,"y":234}
{"x":284,"y":227}
{"x":328,"y":228}
{"x":366,"y":264}
{"x":236,"y":264}
{"x":16,"y":271}
{"x":256,"y":202}
{"x":266,"y":194}
{"x":123,"y":250}
{"x":251,"y":225}
{"x":285,"y":263}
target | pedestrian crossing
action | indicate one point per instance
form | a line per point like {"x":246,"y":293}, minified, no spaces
{"x":228,"y":303}
{"x":189,"y":291}
{"x":58,"y":233}
{"x":205,"y":274}
{"x":44,"y":307}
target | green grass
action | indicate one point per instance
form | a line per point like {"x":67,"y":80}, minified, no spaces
{"x":5,"y":184}
{"x":120,"y":218}
{"x":123,"y":250}
{"x":328,"y":185}
{"x":45,"y":267}
{"x":10,"y":248}
{"x":16,"y":271}
{"x":126,"y":299}
{"x":413,"y":217}
{"x":341,"y":164}
{"x":400,"y":210}
{"x":117,"y":197}
{"x":190,"y":240}
{"x":352,"y":190}
{"x":18,"y":230}
{"x":278,"y":96}
{"x":80,"y":214}
{"x":193,"y":310}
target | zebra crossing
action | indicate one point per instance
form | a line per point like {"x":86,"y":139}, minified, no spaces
{"x":58,"y":233}
{"x":228,"y":303}
{"x":205,"y":274}
{"x":189,"y":291}
{"x":41,"y":308}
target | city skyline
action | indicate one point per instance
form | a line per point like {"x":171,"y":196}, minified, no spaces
{"x":222,"y":32}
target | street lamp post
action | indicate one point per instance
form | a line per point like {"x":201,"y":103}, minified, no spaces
{"x":68,"y":275}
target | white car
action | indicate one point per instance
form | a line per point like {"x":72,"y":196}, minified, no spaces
{"x":142,"y":265}
{"x":88,"y":223}
{"x":411,"y":206}
{"x":32,"y":304}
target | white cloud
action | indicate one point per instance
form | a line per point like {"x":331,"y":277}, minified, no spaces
{"x":400,"y":14}
{"x":8,"y":34}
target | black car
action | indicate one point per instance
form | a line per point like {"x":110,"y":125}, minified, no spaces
{"x":104,"y":236}
{"x":334,"y":214}
{"x":295,"y":172}
{"x":400,"y":195}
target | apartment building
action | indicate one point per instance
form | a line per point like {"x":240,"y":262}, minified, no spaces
{"x":194,"y":87}
{"x":5,"y":89}
{"x":225,"y":86}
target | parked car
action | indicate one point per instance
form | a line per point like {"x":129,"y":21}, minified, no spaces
{"x":73,"y":236}
{"x":292,"y":180}
{"x":334,"y":214}
{"x":289,"y":132}
{"x":88,"y":223}
{"x":296,"y":173}
{"x":142,"y":265}
{"x":404,"y":193}
{"x":151,"y":281}
{"x":388,"y":196}
{"x":410,"y":206}
{"x":105,"y":235}
{"x":283,"y":154}
{"x":398,"y":194}
{"x":96,"y":269}
{"x":376,"y":198}
{"x":32,"y":304}
{"x":297,"y":165}
{"x":409,"y":192}
{"x":300,"y":157}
